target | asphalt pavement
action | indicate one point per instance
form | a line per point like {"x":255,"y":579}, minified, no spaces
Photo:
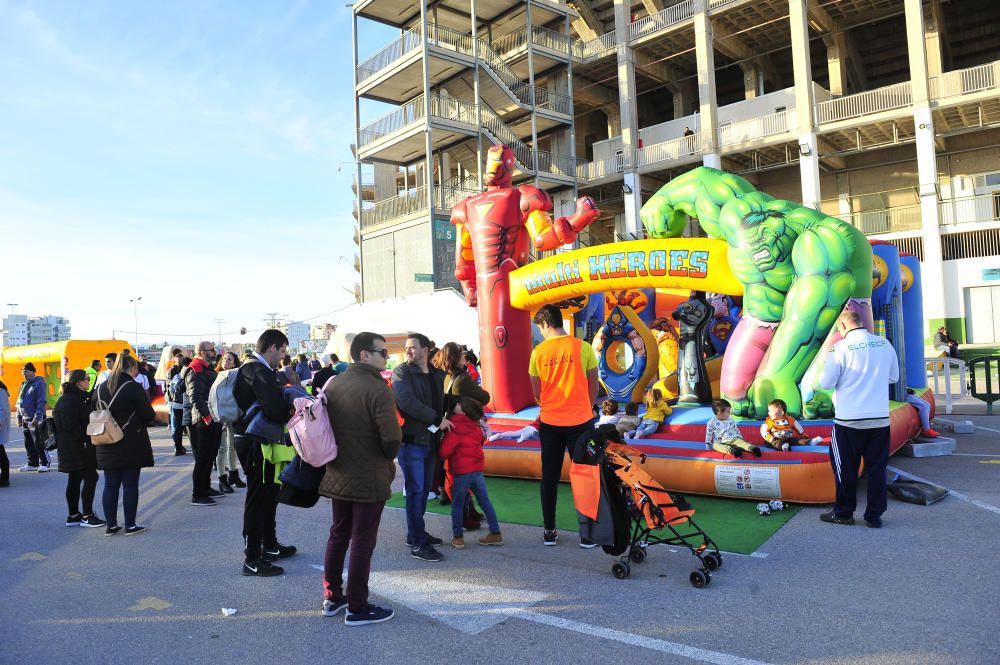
{"x":924,"y":589}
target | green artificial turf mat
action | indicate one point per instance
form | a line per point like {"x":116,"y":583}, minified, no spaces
{"x":733,"y":524}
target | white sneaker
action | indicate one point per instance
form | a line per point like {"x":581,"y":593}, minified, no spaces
{"x":815,"y":441}
{"x":27,"y":467}
{"x":42,"y":468}
{"x":431,"y":496}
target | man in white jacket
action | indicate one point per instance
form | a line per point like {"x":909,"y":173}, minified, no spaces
{"x":859,"y":370}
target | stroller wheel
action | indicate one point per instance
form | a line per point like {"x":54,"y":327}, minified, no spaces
{"x":712,"y":561}
{"x":700,"y":578}
{"x":620,"y":570}
{"x":638,"y":555}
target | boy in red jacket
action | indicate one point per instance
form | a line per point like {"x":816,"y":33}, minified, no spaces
{"x":462,"y":448}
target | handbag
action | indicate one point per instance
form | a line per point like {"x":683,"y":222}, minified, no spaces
{"x":300,"y":483}
{"x":47,"y":434}
{"x":259,"y":427}
{"x":103,"y":429}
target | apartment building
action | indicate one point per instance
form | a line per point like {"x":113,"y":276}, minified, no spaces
{"x":20,"y":329}
{"x":884,"y":113}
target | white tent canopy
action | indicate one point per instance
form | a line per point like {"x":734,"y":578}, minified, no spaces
{"x":443,"y":316}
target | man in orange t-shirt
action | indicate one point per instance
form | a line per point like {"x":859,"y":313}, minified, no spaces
{"x":563,"y":372}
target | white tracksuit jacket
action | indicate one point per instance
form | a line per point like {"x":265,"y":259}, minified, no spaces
{"x":860,"y":367}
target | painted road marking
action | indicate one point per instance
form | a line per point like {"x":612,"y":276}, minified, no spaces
{"x":31,"y":556}
{"x":653,"y":644}
{"x":952,"y":422}
{"x":957,"y":495}
{"x":974,"y":455}
{"x":989,"y":461}
{"x":150,"y":603}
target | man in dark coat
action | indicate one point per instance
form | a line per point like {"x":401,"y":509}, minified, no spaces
{"x":363,"y":416}
{"x":256,"y":382}
{"x":206,"y":434}
{"x":418,"y":389}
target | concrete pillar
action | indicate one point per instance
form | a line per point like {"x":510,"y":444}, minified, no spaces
{"x":630,"y":132}
{"x":751,"y":80}
{"x":428,"y":142}
{"x":836,"y":53}
{"x":934,"y":38}
{"x":933,"y":267}
{"x":844,"y":203}
{"x":684,"y":93}
{"x":614,"y":113}
{"x":802,"y":67}
{"x":708,"y":108}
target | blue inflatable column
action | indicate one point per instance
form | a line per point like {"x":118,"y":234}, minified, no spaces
{"x":913,"y":321}
{"x":887,"y":307}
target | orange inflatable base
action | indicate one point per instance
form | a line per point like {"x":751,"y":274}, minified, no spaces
{"x":678,"y":460}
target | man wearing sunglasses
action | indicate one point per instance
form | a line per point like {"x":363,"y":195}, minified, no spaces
{"x":363,"y":416}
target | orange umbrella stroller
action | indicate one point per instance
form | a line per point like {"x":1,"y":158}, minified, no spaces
{"x":625,"y":510}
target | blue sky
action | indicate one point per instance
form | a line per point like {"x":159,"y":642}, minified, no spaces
{"x":187,"y":152}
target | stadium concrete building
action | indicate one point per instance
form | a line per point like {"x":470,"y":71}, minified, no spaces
{"x":883,"y":113}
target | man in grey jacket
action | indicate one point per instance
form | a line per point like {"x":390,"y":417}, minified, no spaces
{"x":419,"y":392}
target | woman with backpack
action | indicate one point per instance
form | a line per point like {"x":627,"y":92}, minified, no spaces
{"x":226,"y":462}
{"x":121,"y":462}
{"x":76,"y":454}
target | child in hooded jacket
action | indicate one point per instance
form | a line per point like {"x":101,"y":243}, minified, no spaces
{"x":462,"y":448}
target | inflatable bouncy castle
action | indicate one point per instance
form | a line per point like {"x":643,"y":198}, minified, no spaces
{"x":741,"y":315}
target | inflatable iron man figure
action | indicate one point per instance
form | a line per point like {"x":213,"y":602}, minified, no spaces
{"x":493,"y":237}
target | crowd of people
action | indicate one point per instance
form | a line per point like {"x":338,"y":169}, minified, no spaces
{"x":429,"y":417}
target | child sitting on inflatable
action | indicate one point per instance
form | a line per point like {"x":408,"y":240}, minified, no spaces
{"x":781,"y":431}
{"x":723,"y":436}
{"x":462,"y":448}
{"x":630,"y":420}
{"x":657,"y":411}
{"x":609,"y":413}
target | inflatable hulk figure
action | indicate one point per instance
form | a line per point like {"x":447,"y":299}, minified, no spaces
{"x":799,"y":269}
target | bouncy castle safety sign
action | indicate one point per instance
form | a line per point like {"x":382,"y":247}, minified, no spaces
{"x":747,"y":481}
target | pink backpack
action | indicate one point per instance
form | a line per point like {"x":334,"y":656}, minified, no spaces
{"x":310,"y":430}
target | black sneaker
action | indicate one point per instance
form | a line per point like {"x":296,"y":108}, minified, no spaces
{"x":92,"y":521}
{"x":550,"y":538}
{"x":832,"y":517}
{"x":202,"y":501}
{"x":214,"y":494}
{"x":279,"y":551}
{"x":587,"y":544}
{"x":134,"y":529}
{"x":261,"y":568}
{"x":112,"y":530}
{"x":424,"y":553}
{"x":74,"y":520}
{"x":332,"y":608}
{"x":873,"y":522}
{"x":433,"y":541}
{"x":180,"y":451}
{"x":371,"y":614}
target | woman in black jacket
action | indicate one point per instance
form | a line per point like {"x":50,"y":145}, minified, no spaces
{"x":122,"y":461}
{"x":76,"y":454}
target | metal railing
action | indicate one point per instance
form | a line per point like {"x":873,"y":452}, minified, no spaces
{"x":941,"y":370}
{"x":756,"y":128}
{"x":595,"y":48}
{"x":715,"y":4}
{"x":977,"y":208}
{"x":668,"y":150}
{"x":885,"y":220}
{"x":442,"y":37}
{"x":404,"y":44}
{"x":864,"y":103}
{"x":412,"y":202}
{"x":965,"y":81}
{"x":553,"y":163}
{"x":661,"y":20}
{"x":595,"y":170}
{"x":541,"y":37}
{"x":446,"y":108}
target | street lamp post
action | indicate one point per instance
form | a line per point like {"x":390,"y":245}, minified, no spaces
{"x":135,"y":314}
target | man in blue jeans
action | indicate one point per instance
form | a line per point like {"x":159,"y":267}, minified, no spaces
{"x":419,"y":393}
